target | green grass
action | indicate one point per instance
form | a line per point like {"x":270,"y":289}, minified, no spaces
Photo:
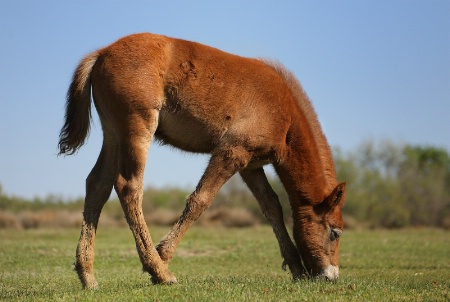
{"x":216,"y":264}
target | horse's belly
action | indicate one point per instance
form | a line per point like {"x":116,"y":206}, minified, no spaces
{"x":185,"y":133}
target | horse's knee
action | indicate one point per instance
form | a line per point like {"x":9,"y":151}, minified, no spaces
{"x":126,"y":188}
{"x":197,"y":204}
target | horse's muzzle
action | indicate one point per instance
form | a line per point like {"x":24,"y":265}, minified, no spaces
{"x":330,"y":273}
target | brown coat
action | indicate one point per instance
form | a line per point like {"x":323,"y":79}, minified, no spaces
{"x":245,"y":112}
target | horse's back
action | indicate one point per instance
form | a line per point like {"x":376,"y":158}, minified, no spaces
{"x":206,"y":98}
{"x":222,"y":99}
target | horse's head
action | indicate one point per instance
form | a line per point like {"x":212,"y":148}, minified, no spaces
{"x":317,"y":229}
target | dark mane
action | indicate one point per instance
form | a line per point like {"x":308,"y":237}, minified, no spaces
{"x":306,"y":106}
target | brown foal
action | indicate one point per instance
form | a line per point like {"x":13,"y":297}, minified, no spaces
{"x":245,"y":112}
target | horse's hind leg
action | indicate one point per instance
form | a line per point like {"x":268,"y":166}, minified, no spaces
{"x":222,"y":165}
{"x":268,"y":201}
{"x":99,"y":184}
{"x":129,"y":187}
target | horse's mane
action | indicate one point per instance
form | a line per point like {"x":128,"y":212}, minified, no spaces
{"x":306,"y":106}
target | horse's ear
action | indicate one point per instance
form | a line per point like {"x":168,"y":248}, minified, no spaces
{"x":336,"y":197}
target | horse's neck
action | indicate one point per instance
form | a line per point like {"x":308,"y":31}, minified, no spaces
{"x":305,"y":170}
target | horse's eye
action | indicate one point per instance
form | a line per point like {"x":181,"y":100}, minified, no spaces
{"x":335,"y":234}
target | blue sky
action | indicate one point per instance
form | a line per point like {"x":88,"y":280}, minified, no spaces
{"x":373,"y":69}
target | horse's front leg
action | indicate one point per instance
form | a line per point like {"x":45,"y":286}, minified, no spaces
{"x":222,"y":165}
{"x":268,"y":201}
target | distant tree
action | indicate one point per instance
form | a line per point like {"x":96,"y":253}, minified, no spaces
{"x":388,"y":185}
{"x":391,"y":185}
{"x":374,"y":195}
{"x":424,"y":175}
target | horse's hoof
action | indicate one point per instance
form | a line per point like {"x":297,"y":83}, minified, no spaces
{"x":170,"y":281}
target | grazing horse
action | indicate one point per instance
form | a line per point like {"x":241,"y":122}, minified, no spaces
{"x":245,"y":112}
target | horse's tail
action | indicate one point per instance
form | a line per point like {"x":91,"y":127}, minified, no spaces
{"x":78,"y":108}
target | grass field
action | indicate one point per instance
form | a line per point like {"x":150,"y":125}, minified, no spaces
{"x":217,"y":264}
